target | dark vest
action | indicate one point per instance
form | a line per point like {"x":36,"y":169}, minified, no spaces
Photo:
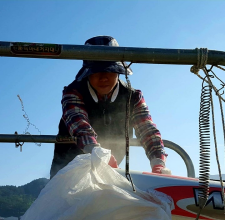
{"x":107,"y":118}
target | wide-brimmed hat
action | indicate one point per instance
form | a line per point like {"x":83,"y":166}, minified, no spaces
{"x":91,"y":67}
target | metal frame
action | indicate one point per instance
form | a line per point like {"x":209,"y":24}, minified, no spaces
{"x":10,"y":138}
{"x":85,"y":52}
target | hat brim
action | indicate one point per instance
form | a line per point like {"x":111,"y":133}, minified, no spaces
{"x":102,"y":66}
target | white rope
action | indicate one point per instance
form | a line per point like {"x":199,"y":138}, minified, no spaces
{"x":202,"y":58}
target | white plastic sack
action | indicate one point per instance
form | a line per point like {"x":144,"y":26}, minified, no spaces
{"x":88,"y":188}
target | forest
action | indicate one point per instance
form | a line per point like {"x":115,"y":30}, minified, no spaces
{"x":14,"y":201}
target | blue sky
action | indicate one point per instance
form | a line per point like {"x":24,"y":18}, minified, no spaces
{"x":172,"y":92}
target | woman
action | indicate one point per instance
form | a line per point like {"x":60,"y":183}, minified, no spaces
{"x":94,"y":111}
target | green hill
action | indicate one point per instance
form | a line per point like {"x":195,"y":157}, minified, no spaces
{"x":14,"y":201}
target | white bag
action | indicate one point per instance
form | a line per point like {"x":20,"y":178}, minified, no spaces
{"x":88,"y":188}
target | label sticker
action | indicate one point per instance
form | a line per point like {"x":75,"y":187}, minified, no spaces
{"x":35,"y":49}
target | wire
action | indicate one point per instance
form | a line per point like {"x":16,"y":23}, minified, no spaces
{"x":127,"y":125}
{"x":28,"y":124}
{"x":214,"y":132}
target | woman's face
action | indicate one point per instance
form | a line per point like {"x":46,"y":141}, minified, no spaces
{"x":103,"y":83}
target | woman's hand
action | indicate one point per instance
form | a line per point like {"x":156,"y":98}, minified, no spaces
{"x":113,"y":162}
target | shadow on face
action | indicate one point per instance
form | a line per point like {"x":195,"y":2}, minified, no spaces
{"x":104,"y":82}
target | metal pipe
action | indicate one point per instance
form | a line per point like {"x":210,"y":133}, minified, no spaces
{"x":131,"y":54}
{"x":178,"y":149}
{"x":187,"y":160}
{"x":17,"y":138}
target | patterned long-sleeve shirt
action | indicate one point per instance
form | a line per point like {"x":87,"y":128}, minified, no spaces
{"x":76,"y":119}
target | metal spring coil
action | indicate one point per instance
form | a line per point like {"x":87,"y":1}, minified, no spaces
{"x":204,"y":133}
